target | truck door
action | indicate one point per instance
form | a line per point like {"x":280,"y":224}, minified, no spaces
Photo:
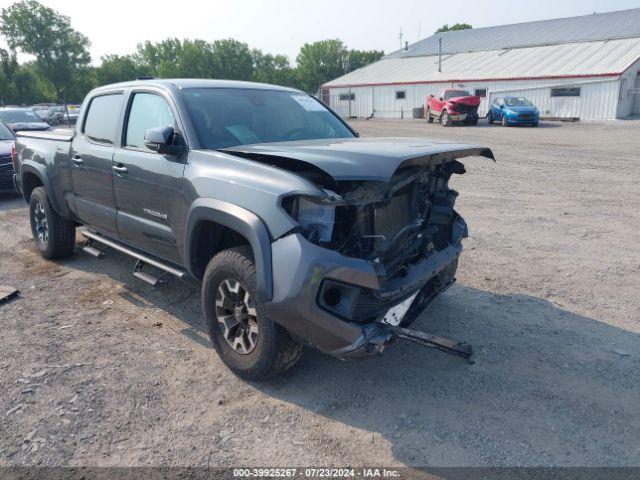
{"x":91,"y":156}
{"x":147,"y":184}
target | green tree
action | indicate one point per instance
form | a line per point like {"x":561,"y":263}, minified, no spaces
{"x":174,"y":58}
{"x":325,"y":60}
{"x":232,"y":60}
{"x":119,"y":68}
{"x":453,"y":28}
{"x":274,"y":69}
{"x":59,"y":50}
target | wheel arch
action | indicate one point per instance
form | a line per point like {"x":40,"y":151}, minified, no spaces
{"x":229,"y":225}
{"x":34,"y":176}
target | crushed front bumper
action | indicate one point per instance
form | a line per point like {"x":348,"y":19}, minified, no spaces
{"x":299,"y":270}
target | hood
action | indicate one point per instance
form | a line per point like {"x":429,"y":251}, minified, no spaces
{"x":357,"y":158}
{"x":471,"y":101}
{"x":29,"y":126}
{"x":521,"y":108}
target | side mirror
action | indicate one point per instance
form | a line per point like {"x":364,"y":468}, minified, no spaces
{"x":502,"y":107}
{"x":441,"y":99}
{"x":162,"y":140}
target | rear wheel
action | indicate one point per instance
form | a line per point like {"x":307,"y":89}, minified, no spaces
{"x":445,"y":119}
{"x":252,"y":345}
{"x":490,"y":118}
{"x":54,"y":236}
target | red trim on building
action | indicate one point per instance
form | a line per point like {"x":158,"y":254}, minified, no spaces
{"x":427,"y":82}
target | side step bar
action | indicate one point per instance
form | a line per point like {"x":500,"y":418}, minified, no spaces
{"x":142,"y":259}
{"x":459,"y":349}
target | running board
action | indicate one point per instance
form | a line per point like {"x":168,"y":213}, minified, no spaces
{"x":146,"y":277}
{"x":460,"y":349}
{"x":142,"y":259}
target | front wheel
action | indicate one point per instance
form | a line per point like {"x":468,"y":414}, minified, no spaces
{"x":54,"y":236}
{"x":445,"y":119}
{"x":252,"y":345}
{"x":490,"y":118}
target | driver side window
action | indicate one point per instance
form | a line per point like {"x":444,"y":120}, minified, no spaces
{"x":148,"y":110}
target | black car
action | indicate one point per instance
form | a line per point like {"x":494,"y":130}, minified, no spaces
{"x":20,"y":119}
{"x":7,"y":139}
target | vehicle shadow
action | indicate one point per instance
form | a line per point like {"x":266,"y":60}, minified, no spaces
{"x":549,"y":387}
{"x":11,"y":201}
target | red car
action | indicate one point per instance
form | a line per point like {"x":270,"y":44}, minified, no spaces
{"x":453,"y":106}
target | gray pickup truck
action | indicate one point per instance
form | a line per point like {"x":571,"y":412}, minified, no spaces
{"x":300,"y":232}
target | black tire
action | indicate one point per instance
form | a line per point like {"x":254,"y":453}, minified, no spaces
{"x":273,"y":350}
{"x":490,"y":118}
{"x":535,"y":124}
{"x":445,"y":119}
{"x":429,"y":116}
{"x":54,"y":236}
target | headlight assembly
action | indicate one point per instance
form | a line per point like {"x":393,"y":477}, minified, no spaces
{"x":315,"y":215}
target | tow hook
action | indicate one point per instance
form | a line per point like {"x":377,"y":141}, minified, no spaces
{"x":460,"y":349}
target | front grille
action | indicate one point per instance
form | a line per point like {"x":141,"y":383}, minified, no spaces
{"x":462,"y":108}
{"x":525,"y":116}
{"x":6,"y":174}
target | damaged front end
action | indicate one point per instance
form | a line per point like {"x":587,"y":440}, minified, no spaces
{"x":406,"y":228}
{"x":376,"y":253}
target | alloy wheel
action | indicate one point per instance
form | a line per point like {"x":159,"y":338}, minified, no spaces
{"x":237,"y":316}
{"x":42,"y":224}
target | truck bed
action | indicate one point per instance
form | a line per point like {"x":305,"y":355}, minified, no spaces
{"x":58,"y":134}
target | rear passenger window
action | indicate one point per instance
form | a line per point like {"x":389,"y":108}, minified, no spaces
{"x":147,"y":111}
{"x":102,"y":118}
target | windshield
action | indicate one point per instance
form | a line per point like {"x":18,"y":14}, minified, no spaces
{"x":227,"y":117}
{"x":517,"y":102}
{"x":455,"y":93}
{"x":5,"y":133}
{"x":19,"y":116}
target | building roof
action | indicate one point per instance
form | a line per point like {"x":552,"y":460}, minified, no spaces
{"x":586,"y":28}
{"x":589,"y":59}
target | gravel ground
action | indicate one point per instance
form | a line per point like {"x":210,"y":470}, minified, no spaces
{"x":97,"y":368}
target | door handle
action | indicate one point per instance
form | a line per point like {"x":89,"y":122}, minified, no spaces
{"x":119,"y":169}
{"x":77,"y":160}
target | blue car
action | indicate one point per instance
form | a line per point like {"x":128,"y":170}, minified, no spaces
{"x":514,"y":111}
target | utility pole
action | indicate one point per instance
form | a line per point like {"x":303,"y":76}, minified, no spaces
{"x":400,"y":36}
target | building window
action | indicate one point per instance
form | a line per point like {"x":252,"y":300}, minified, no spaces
{"x":347,"y":96}
{"x":401,"y":94}
{"x":565,"y":92}
{"x":481,"y":92}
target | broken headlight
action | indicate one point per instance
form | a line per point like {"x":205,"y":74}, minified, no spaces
{"x":315,"y":215}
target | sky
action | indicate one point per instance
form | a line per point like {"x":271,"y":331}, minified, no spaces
{"x":283,"y":26}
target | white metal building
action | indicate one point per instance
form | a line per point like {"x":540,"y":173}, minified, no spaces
{"x":584,"y":67}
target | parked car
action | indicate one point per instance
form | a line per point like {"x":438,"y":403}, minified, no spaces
{"x":513,"y":111}
{"x":22,"y":119}
{"x":300,"y":232}
{"x":453,"y":106}
{"x":7,"y":139}
{"x":52,"y":114}
{"x":73,"y":111}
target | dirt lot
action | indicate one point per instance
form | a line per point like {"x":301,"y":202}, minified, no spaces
{"x":97,"y":368}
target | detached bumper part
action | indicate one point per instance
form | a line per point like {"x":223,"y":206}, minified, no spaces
{"x":318,"y":296}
